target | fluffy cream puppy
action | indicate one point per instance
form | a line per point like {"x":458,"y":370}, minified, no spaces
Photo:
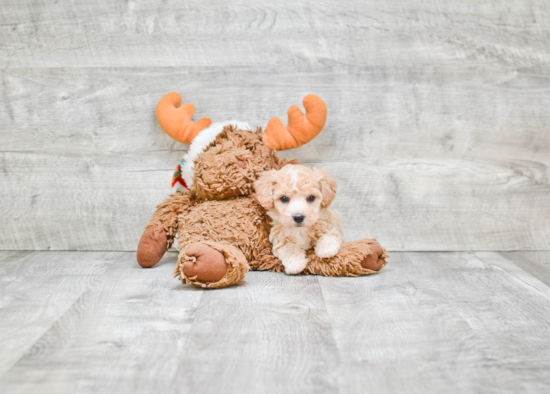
{"x":297,"y":199}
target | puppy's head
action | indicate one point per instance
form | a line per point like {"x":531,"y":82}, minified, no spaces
{"x":294,"y":195}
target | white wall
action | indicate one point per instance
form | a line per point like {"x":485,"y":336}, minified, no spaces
{"x":437,"y":130}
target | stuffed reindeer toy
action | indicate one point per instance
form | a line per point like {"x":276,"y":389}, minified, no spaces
{"x":222,"y":230}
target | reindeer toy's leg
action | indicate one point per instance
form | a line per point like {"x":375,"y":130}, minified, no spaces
{"x":220,"y":241}
{"x":357,"y":258}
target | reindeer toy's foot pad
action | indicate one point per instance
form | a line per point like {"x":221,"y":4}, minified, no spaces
{"x":211,"y":265}
{"x":377,"y":259}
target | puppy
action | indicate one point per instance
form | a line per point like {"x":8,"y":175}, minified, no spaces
{"x":296,"y":199}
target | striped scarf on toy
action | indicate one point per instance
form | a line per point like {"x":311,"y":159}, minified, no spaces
{"x":178,"y":183}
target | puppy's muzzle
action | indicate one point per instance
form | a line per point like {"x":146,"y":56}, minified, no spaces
{"x":298,"y":218}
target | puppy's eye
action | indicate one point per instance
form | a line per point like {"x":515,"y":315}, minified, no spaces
{"x":285,"y":199}
{"x":311,"y":198}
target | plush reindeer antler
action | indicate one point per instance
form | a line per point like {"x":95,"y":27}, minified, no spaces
{"x":301,"y":128}
{"x":176,"y":122}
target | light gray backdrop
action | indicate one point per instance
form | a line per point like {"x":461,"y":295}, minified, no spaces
{"x":438,"y":112}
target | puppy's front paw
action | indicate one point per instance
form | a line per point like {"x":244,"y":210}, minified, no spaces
{"x":295,"y":264}
{"x":327,"y":247}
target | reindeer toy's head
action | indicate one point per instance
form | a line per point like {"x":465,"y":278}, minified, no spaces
{"x":224,"y":159}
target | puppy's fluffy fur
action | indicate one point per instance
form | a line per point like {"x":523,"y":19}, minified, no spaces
{"x":296,"y":199}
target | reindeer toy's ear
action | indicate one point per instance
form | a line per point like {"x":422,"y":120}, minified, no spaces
{"x":301,"y":128}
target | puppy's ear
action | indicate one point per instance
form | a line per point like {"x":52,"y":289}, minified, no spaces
{"x":327,"y":185}
{"x":263,"y":188}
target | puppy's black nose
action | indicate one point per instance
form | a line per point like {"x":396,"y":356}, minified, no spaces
{"x":298,"y":218}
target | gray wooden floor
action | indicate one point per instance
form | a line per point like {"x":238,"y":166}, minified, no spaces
{"x":430,"y":322}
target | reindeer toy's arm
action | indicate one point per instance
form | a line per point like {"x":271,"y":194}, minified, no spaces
{"x":162,"y":228}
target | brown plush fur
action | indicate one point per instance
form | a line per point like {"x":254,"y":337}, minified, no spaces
{"x":347,"y":262}
{"x":221,"y":213}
